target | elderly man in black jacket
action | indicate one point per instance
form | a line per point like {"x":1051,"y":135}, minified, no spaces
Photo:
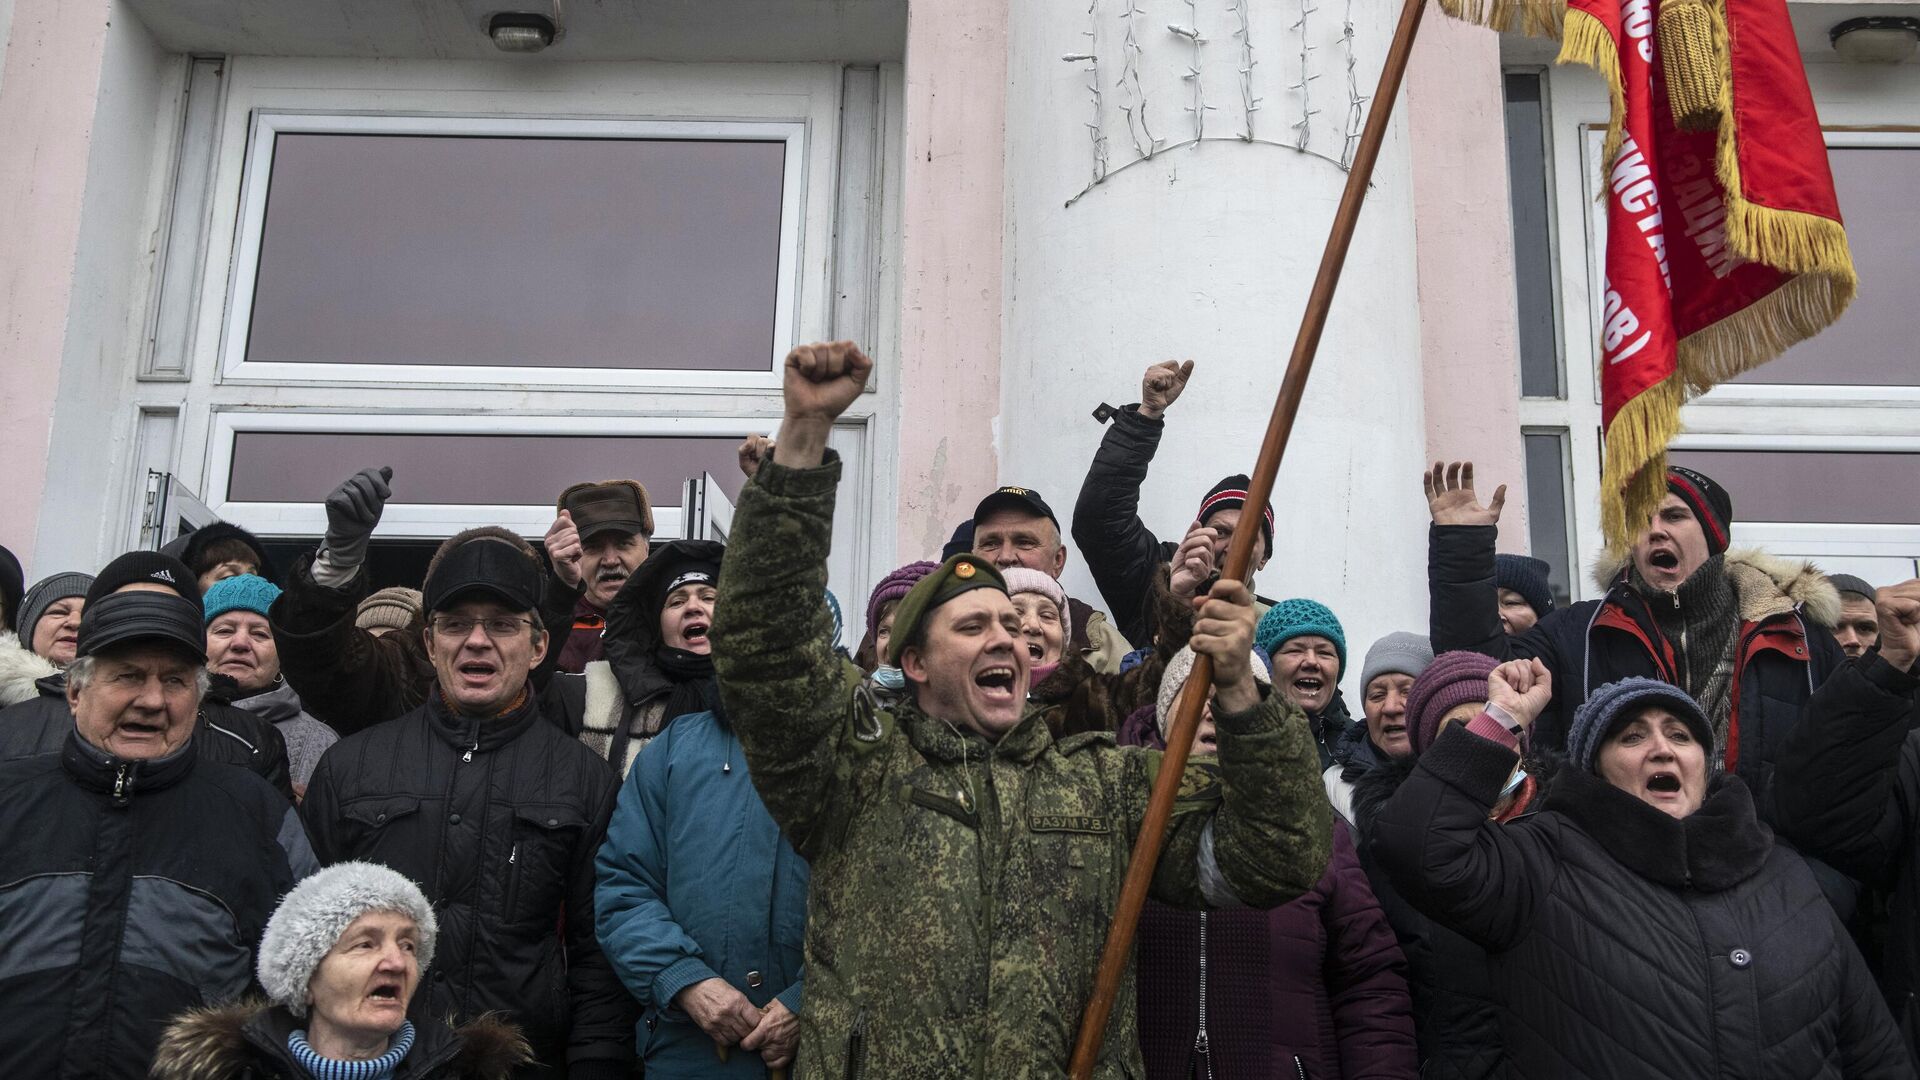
{"x":136,"y":872}
{"x":40,"y":725}
{"x":495,"y":812}
{"x":1745,"y":634}
{"x":1120,"y":550}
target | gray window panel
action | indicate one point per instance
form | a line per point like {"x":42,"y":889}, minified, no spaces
{"x":1547,"y":521}
{"x":539,"y":252}
{"x":507,"y":470}
{"x":1872,"y":344}
{"x":1527,"y":181}
{"x":1813,"y":485}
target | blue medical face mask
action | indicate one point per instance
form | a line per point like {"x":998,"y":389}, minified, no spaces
{"x":890,"y":677}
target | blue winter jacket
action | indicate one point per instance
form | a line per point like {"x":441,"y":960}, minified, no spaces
{"x":695,"y":881}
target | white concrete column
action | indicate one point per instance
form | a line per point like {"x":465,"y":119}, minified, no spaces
{"x":1207,"y":251}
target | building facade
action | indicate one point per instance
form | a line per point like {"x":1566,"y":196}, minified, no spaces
{"x":253,"y":247}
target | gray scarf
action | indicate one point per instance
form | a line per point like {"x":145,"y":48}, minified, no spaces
{"x":1701,"y":619}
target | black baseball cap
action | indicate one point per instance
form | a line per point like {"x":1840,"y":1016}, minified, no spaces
{"x":490,"y":565}
{"x":142,"y":616}
{"x":1011,"y":497}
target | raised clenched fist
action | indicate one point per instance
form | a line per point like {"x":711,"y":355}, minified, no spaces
{"x":823,"y":379}
{"x":1160,"y":387}
{"x":1524,"y":688}
{"x":1898,"y":607}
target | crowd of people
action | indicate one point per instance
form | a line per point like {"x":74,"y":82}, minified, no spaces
{"x":605,"y":807}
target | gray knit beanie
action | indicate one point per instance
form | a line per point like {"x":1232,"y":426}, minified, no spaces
{"x":1401,"y":652}
{"x":309,"y":921}
{"x":1614,"y":702}
{"x":43,"y":595}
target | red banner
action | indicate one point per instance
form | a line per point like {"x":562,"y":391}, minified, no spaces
{"x":1724,"y":239}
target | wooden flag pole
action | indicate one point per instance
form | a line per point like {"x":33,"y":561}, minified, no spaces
{"x":1153,"y":828}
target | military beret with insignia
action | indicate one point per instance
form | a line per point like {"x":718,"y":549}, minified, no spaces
{"x":963,"y":572}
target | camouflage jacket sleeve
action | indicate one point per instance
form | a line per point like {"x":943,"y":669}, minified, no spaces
{"x":1251,"y":829}
{"x":785,"y":690}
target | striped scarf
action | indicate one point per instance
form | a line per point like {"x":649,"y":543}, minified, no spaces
{"x":325,"y":1068}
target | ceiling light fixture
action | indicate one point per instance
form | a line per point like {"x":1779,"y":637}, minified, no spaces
{"x":1875,"y":39}
{"x":521,"y":31}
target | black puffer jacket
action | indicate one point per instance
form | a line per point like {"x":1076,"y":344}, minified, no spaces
{"x":1849,"y":792}
{"x":498,"y":821}
{"x":350,"y":680}
{"x":1455,"y":1019}
{"x":1786,"y":648}
{"x":226,"y":734}
{"x":1624,"y":942}
{"x":143,"y":891}
{"x":1120,"y":550}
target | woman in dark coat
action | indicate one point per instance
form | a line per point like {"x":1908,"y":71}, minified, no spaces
{"x":340,"y":960}
{"x":1643,"y":922}
{"x":1313,"y":988}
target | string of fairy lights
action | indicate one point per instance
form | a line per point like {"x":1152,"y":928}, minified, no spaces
{"x":1129,"y":94}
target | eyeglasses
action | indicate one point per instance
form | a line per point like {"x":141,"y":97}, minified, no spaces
{"x":499,"y":627}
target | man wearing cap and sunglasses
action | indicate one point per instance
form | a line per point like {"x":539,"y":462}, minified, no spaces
{"x":231,"y":735}
{"x":495,"y":812}
{"x":597,"y":542}
{"x":964,"y":865}
{"x":138,"y":870}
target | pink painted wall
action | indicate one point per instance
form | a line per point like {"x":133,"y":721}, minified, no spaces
{"x":952,"y":221}
{"x":1469,"y":337}
{"x":47,"y":105}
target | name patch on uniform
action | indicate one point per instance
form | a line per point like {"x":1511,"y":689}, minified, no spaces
{"x":1080,"y":823}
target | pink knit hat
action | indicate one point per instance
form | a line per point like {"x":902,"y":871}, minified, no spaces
{"x":1454,"y":678}
{"x":1020,"y":579}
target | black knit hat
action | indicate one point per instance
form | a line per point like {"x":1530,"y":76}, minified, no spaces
{"x":1847,"y":583}
{"x":1231,"y":494}
{"x":1709,"y":502}
{"x":960,"y":542}
{"x":1527,"y":576}
{"x":146,"y":567}
{"x":192,"y":548}
{"x":668,"y":566}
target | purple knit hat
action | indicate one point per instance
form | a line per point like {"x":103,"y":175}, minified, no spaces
{"x":894,"y":586}
{"x":1454,"y":678}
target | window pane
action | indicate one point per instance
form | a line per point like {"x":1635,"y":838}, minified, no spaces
{"x":1547,"y":524}
{"x":595,"y":253}
{"x":1532,"y":244}
{"x":509,"y":470}
{"x":1872,"y":344}
{"x":1816,"y":486}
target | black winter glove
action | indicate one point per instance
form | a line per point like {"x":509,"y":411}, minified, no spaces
{"x":352,"y":511}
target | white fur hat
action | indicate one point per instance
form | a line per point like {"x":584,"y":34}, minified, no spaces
{"x":313,"y":915}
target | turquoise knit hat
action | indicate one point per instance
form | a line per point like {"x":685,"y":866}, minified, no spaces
{"x":1299,"y":617}
{"x":242,"y":592}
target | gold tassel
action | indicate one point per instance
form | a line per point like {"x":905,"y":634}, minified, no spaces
{"x":1633,"y":479}
{"x":1800,"y":308}
{"x":1686,"y":36}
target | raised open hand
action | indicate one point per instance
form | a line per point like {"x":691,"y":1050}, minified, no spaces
{"x":1450,"y":496}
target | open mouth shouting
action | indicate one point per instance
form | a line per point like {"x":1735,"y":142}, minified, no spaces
{"x":1035,"y":651}
{"x":1309,"y":691}
{"x":1664,"y":784}
{"x":996,"y":683}
{"x":476,"y":672}
{"x":386,"y":991}
{"x":1663,"y":559}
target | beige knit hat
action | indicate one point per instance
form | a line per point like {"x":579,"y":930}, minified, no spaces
{"x":394,"y":608}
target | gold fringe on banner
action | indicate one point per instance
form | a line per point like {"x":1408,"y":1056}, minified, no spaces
{"x":1585,"y":41}
{"x":1633,"y":479}
{"x":1534,"y":18}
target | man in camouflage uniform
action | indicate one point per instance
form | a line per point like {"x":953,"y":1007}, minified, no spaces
{"x":966,"y":866}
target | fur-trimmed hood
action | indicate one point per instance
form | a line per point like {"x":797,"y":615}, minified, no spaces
{"x":19,"y":667}
{"x":224,"y":1042}
{"x":1766,"y":584}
